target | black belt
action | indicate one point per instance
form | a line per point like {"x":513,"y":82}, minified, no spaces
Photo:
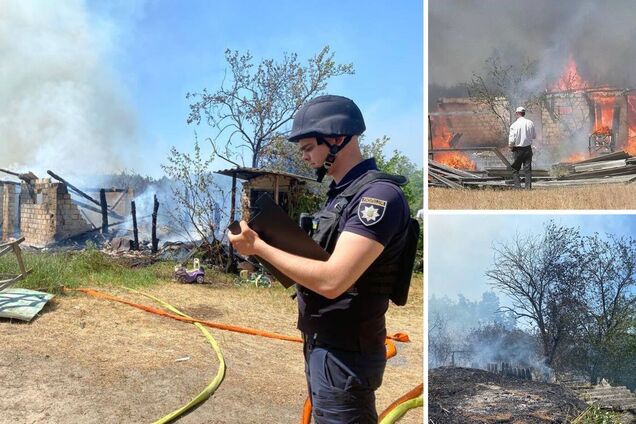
{"x":350,"y":345}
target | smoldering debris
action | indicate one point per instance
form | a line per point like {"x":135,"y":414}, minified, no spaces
{"x":466,"y":396}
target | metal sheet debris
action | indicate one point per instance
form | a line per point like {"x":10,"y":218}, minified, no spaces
{"x":22,"y":304}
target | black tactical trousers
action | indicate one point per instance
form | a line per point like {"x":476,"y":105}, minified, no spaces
{"x":342,"y":384}
{"x":522,"y":156}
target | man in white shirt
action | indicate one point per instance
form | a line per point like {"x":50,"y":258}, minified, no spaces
{"x":520,"y":142}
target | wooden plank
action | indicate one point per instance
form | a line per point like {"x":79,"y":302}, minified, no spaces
{"x":114,"y":205}
{"x":6,"y":249}
{"x":18,"y":255}
{"x":460,"y":172}
{"x":597,"y":166}
{"x":628,"y":170}
{"x":93,"y":209}
{"x":445,"y":181}
{"x":601,"y":158}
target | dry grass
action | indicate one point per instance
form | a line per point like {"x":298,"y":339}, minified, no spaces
{"x":86,"y":360}
{"x":601,"y":196}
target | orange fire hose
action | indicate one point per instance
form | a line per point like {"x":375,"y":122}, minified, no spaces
{"x":391,"y":350}
{"x":212,"y":324}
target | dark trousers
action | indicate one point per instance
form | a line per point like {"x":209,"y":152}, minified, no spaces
{"x":522,"y":156}
{"x":342,"y":384}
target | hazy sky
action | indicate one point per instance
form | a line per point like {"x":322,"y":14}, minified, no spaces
{"x":91,"y":86}
{"x":460,"y":246}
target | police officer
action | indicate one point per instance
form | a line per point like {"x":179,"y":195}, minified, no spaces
{"x":341,"y":301}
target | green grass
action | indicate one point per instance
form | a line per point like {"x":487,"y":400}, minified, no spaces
{"x":595,"y":415}
{"x":90,"y":267}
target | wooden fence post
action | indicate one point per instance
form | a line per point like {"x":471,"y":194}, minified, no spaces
{"x":133,"y":211}
{"x":155,"y":241}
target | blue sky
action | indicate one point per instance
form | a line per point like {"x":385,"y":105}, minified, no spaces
{"x":459,"y":250}
{"x":160,"y":50}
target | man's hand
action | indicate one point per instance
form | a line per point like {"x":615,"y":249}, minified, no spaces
{"x":246,"y":242}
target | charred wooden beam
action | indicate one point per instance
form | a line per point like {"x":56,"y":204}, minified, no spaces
{"x":104,"y":206}
{"x":97,"y":210}
{"x":75,"y":189}
{"x":28,"y":178}
{"x":133,"y":211}
{"x":155,"y":241}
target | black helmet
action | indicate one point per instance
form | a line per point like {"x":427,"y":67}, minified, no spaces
{"x":327,"y":116}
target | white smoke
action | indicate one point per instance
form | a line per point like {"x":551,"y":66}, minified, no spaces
{"x":61,"y":105}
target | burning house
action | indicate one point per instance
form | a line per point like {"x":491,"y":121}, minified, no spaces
{"x":574,"y":120}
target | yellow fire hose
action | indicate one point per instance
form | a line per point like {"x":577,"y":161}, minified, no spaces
{"x":399,"y":411}
{"x":393,"y":413}
{"x":210,"y":388}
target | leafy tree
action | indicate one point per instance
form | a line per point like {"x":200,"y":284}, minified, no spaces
{"x":578,"y":293}
{"x":606,"y":301}
{"x":249,"y":111}
{"x":200,"y":202}
{"x":398,"y":164}
{"x":536,"y":273}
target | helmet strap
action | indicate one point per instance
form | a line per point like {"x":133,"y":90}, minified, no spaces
{"x":331,"y":157}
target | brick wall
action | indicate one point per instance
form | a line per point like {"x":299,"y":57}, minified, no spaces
{"x":47,"y":213}
{"x":9,"y":210}
{"x":478,"y":124}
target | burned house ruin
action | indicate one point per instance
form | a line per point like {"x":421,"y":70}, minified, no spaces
{"x":42,"y":211}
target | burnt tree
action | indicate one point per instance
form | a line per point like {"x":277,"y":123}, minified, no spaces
{"x":537,"y":274}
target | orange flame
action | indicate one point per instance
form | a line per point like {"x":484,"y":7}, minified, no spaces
{"x":570,"y":78}
{"x":603,"y":118}
{"x":630,"y":146}
{"x":575,"y":157}
{"x":441,"y":137}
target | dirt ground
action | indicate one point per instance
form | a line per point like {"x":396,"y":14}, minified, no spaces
{"x":87,"y":360}
{"x":468,"y":396}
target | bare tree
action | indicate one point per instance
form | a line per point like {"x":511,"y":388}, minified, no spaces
{"x":503,"y":84}
{"x":252,"y":107}
{"x":537,"y":273}
{"x":440,"y":341}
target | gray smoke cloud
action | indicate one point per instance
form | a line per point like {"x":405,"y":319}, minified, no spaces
{"x":61,"y":105}
{"x":598,"y":35}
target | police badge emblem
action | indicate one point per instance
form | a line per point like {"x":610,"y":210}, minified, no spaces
{"x":371,"y":210}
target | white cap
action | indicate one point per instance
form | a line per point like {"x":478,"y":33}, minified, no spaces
{"x":520,"y":109}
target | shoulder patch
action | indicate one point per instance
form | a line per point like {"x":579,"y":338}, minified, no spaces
{"x":371,"y":210}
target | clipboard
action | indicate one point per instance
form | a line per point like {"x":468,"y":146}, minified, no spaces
{"x":276,"y":228}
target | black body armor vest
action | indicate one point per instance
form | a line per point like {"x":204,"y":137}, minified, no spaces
{"x":390,"y":273}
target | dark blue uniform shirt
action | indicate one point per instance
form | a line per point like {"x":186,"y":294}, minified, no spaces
{"x":378,"y":211}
